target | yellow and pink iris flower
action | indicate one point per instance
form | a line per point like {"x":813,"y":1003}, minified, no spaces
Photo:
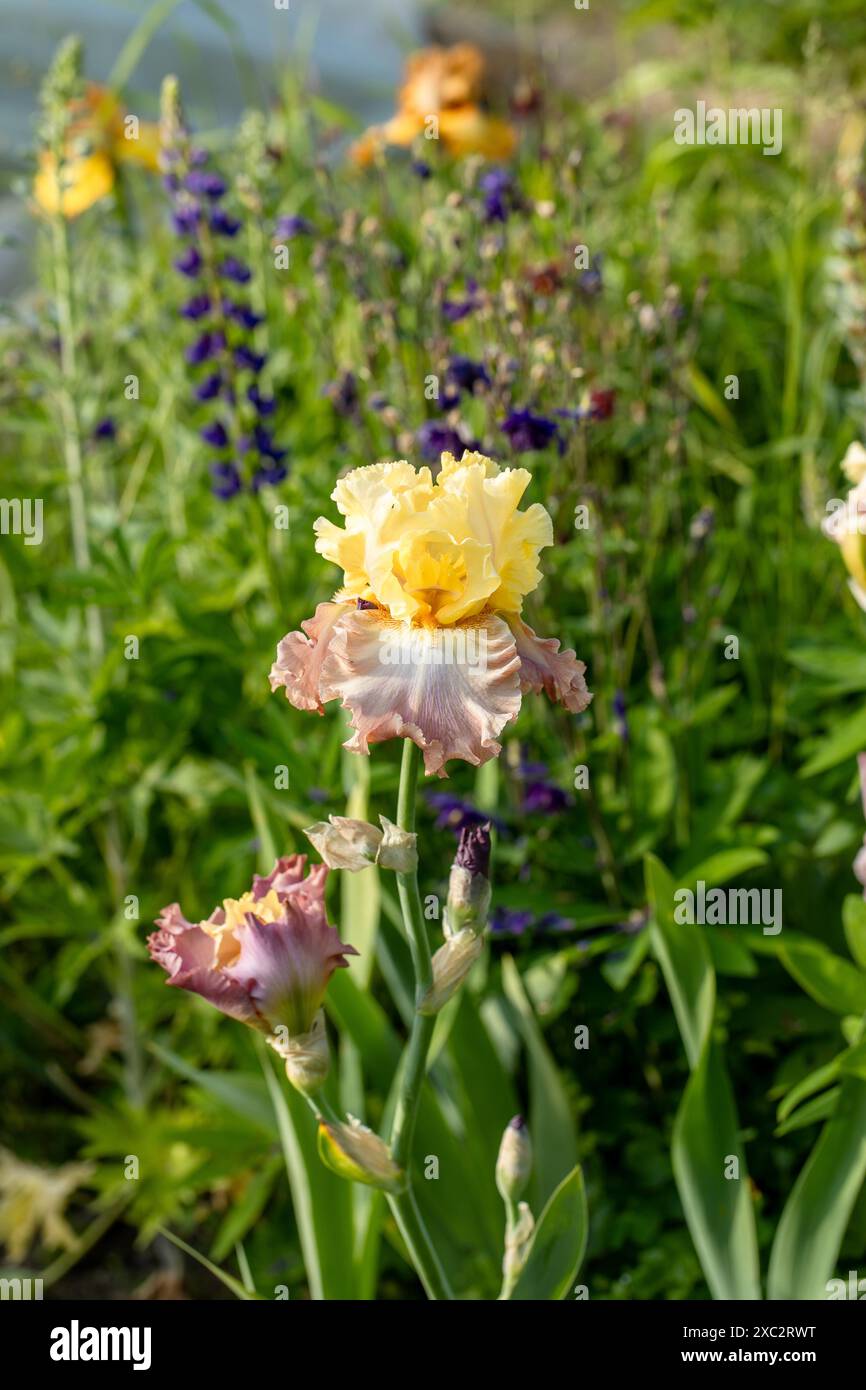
{"x":424,"y":639}
{"x":265,"y":958}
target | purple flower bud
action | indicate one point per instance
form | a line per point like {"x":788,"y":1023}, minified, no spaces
{"x":265,"y":405}
{"x":209,"y":388}
{"x":204,"y":183}
{"x":223,"y":224}
{"x":541,"y":797}
{"x":269,"y":474}
{"x":457,"y":309}
{"x":497,"y":187}
{"x":343,"y":395}
{"x":288,"y":228}
{"x":197,"y":307}
{"x":226,"y":480}
{"x":245,"y":357}
{"x":215,"y":434}
{"x":105,"y":428}
{"x":186,"y":218}
{"x":233,"y":269}
{"x":590,"y":282}
{"x":505,"y":921}
{"x":242,"y":314}
{"x":207,"y":346}
{"x":473,"y":850}
{"x":189,"y":263}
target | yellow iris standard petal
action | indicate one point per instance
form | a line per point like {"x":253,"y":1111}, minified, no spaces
{"x":437,"y":552}
{"x":83,"y":181}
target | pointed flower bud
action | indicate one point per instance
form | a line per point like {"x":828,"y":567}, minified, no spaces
{"x":306,"y":1055}
{"x":451,"y":964}
{"x":350,"y":844}
{"x":398,"y":850}
{"x":514,"y":1164}
{"x":353,"y":1151}
{"x":469,"y":883}
{"x":344,"y":843}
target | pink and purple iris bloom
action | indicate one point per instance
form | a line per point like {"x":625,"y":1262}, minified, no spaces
{"x":264,"y":959}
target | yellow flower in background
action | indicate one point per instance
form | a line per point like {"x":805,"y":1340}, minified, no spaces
{"x":34,"y":1199}
{"x":424,"y":639}
{"x":446,"y":84}
{"x":100,"y":136}
{"x":846,"y":524}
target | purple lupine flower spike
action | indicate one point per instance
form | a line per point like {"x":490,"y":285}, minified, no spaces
{"x":225,"y":339}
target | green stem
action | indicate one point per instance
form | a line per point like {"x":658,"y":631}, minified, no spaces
{"x":509,"y":1278}
{"x":73,"y":455}
{"x":415,"y":1061}
{"x":420,"y":1247}
{"x":71,"y":426}
{"x":414,"y":1065}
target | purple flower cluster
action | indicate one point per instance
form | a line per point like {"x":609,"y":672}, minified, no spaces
{"x":499,"y":195}
{"x":436,"y":437}
{"x":528,"y":432}
{"x":224,"y":347}
{"x":540,"y":796}
{"x":507,"y":921}
{"x":457,"y":814}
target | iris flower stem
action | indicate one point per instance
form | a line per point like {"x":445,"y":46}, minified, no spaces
{"x":414,"y":1064}
{"x":73,"y":456}
{"x":71,"y":425}
{"x":509,"y":1278}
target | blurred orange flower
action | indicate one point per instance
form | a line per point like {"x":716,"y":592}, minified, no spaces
{"x":442,"y":92}
{"x":100,"y":136}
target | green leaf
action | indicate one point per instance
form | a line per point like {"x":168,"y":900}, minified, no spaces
{"x":550,"y":1118}
{"x":621,"y":966}
{"x":244,"y":1212}
{"x":830,"y":979}
{"x":242,"y":1092}
{"x":229,"y":1280}
{"x":816,"y":1214}
{"x":730,"y":956}
{"x":723,"y":866}
{"x":322,"y":1202}
{"x":683,"y":954}
{"x":845,"y":740}
{"x":558,"y":1245}
{"x":718,"y":1209}
{"x":819,"y":1108}
{"x":843,"y":668}
{"x":816,"y":1080}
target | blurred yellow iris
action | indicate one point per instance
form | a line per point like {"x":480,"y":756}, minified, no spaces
{"x":441,"y":97}
{"x":100,"y":137}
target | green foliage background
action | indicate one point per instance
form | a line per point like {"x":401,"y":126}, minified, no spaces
{"x":155,"y":777}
